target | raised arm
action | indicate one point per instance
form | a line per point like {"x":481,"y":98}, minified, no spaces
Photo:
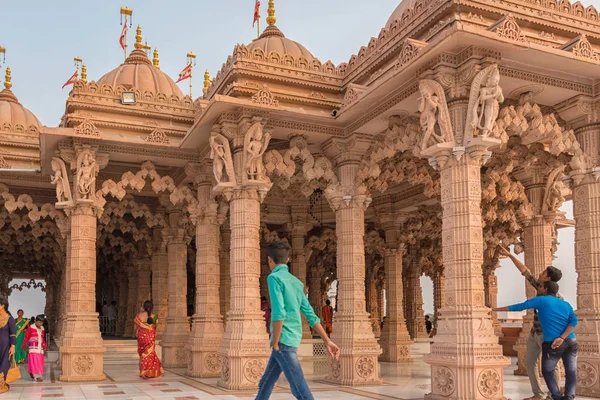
{"x":527,"y":305}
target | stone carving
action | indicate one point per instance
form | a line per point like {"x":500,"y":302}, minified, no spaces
{"x":444,"y":381}
{"x":265,"y":97}
{"x":221,"y":155}
{"x":553,"y":197}
{"x":350,"y":97}
{"x":87,"y":128}
{"x":61,"y":180}
{"x":434,"y":113}
{"x":255,"y":145}
{"x":581,"y":47}
{"x":410,"y":50}
{"x":365,"y":367}
{"x":587,"y":376}
{"x":3,"y":163}
{"x":157,"y":136}
{"x":83,"y":364}
{"x":489,"y":383}
{"x":508,"y":28}
{"x":254,"y":369}
{"x":213,"y":362}
{"x":86,"y":175}
{"x":484,"y":102}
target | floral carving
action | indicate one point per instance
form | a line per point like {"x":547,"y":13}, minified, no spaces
{"x":254,"y":369}
{"x":225,"y":371}
{"x":350,"y":97}
{"x":508,"y":28}
{"x":584,"y":49}
{"x":3,"y":163}
{"x":157,"y":136}
{"x":87,"y":128}
{"x":444,"y":381}
{"x":587,"y":376}
{"x":435,"y":118}
{"x":365,"y":367}
{"x":213,"y":362}
{"x":409,"y":52}
{"x":265,"y":97}
{"x":83,"y":364}
{"x":489,"y":383}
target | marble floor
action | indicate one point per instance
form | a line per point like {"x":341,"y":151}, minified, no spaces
{"x":406,"y":382}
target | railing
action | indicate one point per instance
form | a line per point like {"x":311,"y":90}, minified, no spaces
{"x":107,"y":327}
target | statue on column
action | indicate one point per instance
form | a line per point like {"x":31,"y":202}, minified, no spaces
{"x":484,"y":102}
{"x":86,"y":175}
{"x":221,"y":156}
{"x":434,"y":111}
{"x":553,"y":197}
{"x":255,"y":145}
{"x":61,"y":180}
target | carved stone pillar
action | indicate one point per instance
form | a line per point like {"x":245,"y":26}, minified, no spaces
{"x":207,"y":330}
{"x":122,"y":304}
{"x":177,"y":329}
{"x":490,"y":286}
{"x":415,"y":320}
{"x":299,"y":229}
{"x":224,"y":260}
{"x":538,"y":236}
{"x":356,"y":365}
{"x":144,"y":269}
{"x":264,"y":270}
{"x":395,"y":340}
{"x":160,"y":265}
{"x":66,"y":289}
{"x":466,"y":359}
{"x":586,"y":201}
{"x":81,"y":355}
{"x":132,"y":300}
{"x":438,"y":293}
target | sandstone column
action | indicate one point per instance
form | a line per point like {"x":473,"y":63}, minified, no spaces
{"x":299,"y":229}
{"x":159,"y":281}
{"x":132,"y":300}
{"x":466,"y":359}
{"x":438,"y":293}
{"x":356,"y":365}
{"x":122,"y":304}
{"x":415,"y":320}
{"x":175,"y":335}
{"x":207,"y":330}
{"x":315,"y":297}
{"x":586,"y":202}
{"x":224,"y":260}
{"x":65,"y":231}
{"x":490,"y":285}
{"x":144,"y":268}
{"x":395,"y":340}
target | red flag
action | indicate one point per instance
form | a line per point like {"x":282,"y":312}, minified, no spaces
{"x":123,"y":35}
{"x":72,"y":79}
{"x":256,"y":12}
{"x":185,"y":74}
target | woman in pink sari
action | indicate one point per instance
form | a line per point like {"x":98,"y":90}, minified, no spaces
{"x":145,"y":323}
{"x":35,"y":338}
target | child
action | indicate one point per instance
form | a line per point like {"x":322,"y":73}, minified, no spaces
{"x":35,"y":338}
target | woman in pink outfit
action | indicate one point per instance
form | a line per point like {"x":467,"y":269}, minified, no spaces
{"x":35,"y":338}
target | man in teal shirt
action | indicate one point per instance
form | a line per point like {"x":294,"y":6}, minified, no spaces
{"x":287,"y":302}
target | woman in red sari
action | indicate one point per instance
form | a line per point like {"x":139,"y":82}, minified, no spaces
{"x":145,"y":323}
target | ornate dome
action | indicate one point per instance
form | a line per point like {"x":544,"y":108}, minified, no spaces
{"x":402,"y":7}
{"x":12,"y":112}
{"x":138,"y":72}
{"x":272,"y":39}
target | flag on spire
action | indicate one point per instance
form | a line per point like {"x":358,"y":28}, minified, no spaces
{"x":72,"y":79}
{"x":123,"y":38}
{"x":256,"y":13}
{"x":186,"y":73}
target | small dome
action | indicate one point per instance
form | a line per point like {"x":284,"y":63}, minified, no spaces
{"x":402,"y":7}
{"x":138,"y":72}
{"x":14,"y":114}
{"x":272,"y":39}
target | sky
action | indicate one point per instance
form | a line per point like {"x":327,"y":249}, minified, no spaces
{"x":42,"y":37}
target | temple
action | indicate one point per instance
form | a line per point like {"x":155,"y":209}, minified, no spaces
{"x":464,"y":125}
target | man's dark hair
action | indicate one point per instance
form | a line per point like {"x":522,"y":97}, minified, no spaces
{"x":551,"y":288}
{"x":327,"y":302}
{"x":554,"y":274}
{"x":427,"y":317}
{"x":279,"y":252}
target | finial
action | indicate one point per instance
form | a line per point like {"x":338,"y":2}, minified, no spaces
{"x":271,"y":19}
{"x":7,"y":83}
{"x":83,"y":74}
{"x":155,"y":60}
{"x":138,"y":38}
{"x":206,"y":82}
{"x":3,"y":52}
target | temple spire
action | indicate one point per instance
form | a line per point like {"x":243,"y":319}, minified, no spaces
{"x":138,"y":38}
{"x":206,"y":82}
{"x":155,"y":60}
{"x":271,"y":19}
{"x":7,"y":82}
{"x":83,"y":74}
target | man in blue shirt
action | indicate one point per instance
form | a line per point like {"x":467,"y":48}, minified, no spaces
{"x":558,"y":322}
{"x":287,"y":302}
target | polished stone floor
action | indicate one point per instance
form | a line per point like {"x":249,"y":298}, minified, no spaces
{"x":400,"y":382}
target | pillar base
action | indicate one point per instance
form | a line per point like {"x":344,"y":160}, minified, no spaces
{"x":521,"y":349}
{"x":82,"y":364}
{"x":174,"y":355}
{"x":395,"y":352}
{"x":204,"y":364}
{"x":588,"y":382}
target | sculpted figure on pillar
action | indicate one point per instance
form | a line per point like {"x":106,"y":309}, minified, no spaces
{"x":484,"y":104}
{"x":87,"y":169}
{"x":61,"y":180}
{"x":434,"y":113}
{"x":255,"y":145}
{"x":222,"y":160}
{"x":555,"y":187}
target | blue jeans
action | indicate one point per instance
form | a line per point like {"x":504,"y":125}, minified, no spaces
{"x":285,"y":360}
{"x":568,"y":353}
